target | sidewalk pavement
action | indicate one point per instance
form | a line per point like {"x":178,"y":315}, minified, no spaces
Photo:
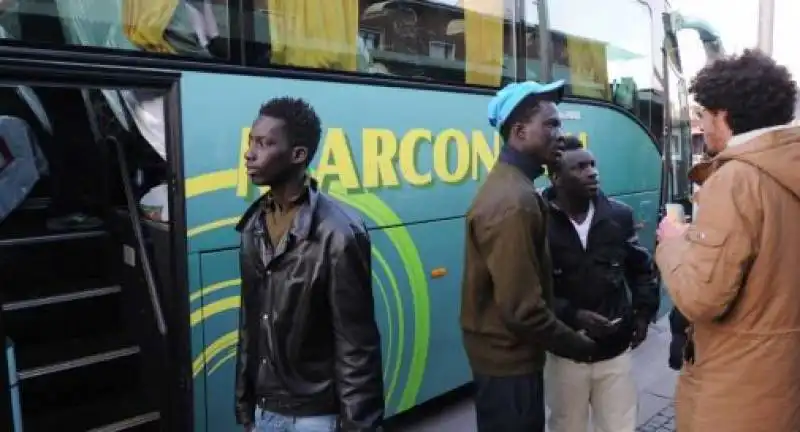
{"x":654,"y":379}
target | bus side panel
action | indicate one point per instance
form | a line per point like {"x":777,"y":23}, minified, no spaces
{"x":219,"y":319}
{"x":416,"y":222}
{"x":433,"y":360}
{"x":390,"y":148}
{"x":402,"y":309}
{"x":197,"y":343}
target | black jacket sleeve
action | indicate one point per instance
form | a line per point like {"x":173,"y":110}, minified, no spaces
{"x":358,"y":364}
{"x":564,"y":311}
{"x":641,"y":273}
{"x":245,"y":392}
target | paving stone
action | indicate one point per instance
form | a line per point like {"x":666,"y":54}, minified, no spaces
{"x":649,"y":406}
{"x":663,"y":421}
{"x":655,"y":385}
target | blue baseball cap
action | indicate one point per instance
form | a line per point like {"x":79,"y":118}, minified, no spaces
{"x":507,"y":98}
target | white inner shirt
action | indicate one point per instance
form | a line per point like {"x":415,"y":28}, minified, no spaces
{"x":583,"y":227}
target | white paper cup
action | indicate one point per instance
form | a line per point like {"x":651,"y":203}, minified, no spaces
{"x":675,"y":213}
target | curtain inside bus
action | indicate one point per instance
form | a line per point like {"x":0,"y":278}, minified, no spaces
{"x":145,"y":23}
{"x":168,"y":26}
{"x":483,"y":37}
{"x":587,"y":68}
{"x":314,"y":33}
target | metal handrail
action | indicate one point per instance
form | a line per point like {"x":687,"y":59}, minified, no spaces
{"x":6,"y":416}
{"x":136,"y":223}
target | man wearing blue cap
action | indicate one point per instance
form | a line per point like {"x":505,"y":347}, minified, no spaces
{"x":507,"y":290}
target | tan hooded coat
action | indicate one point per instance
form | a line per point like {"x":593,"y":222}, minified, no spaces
{"x":736,"y":276}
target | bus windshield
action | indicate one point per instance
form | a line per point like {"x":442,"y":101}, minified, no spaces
{"x":681,"y":150}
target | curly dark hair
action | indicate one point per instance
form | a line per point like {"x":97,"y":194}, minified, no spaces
{"x":755,"y":91}
{"x":302,"y":124}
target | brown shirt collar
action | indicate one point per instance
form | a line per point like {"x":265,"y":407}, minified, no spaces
{"x":270,"y":205}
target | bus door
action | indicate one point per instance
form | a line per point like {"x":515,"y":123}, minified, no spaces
{"x":94,"y":313}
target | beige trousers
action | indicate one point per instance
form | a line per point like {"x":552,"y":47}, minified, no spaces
{"x":606,"y":389}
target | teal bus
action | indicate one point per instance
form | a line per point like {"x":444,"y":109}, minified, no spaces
{"x":122,"y":130}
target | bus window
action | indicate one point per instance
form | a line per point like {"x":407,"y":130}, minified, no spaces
{"x":533,"y":43}
{"x":195,"y":28}
{"x":604,"y":51}
{"x":458,"y":42}
{"x":680,"y":133}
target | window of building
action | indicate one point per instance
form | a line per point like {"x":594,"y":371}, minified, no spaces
{"x":372,"y":38}
{"x":195,"y":28}
{"x":461,"y":42}
{"x":442,"y":50}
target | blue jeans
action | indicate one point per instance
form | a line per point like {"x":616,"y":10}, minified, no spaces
{"x":270,"y":422}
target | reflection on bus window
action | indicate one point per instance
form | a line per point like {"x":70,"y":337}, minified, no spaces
{"x":196,"y":28}
{"x":143,"y":107}
{"x":454,"y":41}
{"x":558,"y":44}
{"x":313,"y":34}
{"x":170,"y":26}
{"x":604,"y":51}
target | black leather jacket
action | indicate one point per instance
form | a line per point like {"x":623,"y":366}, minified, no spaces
{"x":614,"y":276}
{"x":308,"y":341}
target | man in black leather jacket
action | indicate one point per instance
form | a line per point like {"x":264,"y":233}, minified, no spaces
{"x":605,"y":284}
{"x":309,"y":353}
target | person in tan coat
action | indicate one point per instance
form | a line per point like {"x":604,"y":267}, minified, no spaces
{"x":734,"y":271}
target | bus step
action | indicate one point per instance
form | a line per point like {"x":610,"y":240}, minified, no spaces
{"x":91,"y":385}
{"x":65,"y":355}
{"x":79,"y":362}
{"x":35,"y":203}
{"x":60,"y":298}
{"x":53,"y":321}
{"x":59,"y":268}
{"x":45,"y":238}
{"x":121,"y":413}
{"x":132,"y":423}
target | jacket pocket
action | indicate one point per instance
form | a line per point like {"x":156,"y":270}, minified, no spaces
{"x":610,"y":269}
{"x":707,"y":247}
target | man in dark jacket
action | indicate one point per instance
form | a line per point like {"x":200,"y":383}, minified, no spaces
{"x":597,"y":264}
{"x":309,"y":353}
{"x":507,"y":292}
